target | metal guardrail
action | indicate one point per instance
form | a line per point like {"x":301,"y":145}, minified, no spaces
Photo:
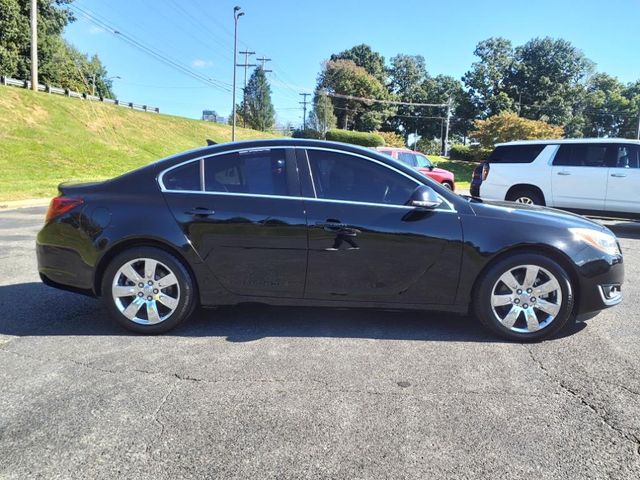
{"x":70,"y":93}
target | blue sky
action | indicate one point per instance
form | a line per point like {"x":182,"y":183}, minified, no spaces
{"x":299,"y":35}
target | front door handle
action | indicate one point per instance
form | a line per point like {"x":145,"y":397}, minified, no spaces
{"x":331,"y":225}
{"x":200,"y":212}
{"x":564,"y":173}
{"x":619,"y":175}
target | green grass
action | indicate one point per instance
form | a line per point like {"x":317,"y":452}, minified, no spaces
{"x":461,"y":170}
{"x":47,"y":139}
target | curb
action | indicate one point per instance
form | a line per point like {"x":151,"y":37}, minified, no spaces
{"x":15,"y":204}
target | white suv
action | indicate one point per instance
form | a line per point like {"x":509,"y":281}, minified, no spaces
{"x":590,"y":176}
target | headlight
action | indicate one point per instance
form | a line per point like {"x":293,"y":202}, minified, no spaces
{"x":602,"y":241}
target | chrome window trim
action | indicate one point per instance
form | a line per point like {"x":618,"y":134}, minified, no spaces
{"x":202,"y":159}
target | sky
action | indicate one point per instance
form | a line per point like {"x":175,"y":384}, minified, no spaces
{"x":299,"y":35}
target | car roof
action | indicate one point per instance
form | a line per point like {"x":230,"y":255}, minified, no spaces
{"x":561,"y":141}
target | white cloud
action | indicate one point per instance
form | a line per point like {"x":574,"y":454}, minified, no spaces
{"x":200,"y":63}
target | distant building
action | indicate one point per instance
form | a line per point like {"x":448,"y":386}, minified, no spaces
{"x":212,"y":116}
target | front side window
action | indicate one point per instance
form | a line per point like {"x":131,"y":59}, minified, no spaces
{"x":582,"y":155}
{"x":628,"y":156}
{"x":408,"y":159}
{"x":183,"y":178}
{"x":261,"y":172}
{"x":423,"y":161}
{"x":340,"y":176}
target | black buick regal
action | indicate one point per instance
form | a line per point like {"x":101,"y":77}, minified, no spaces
{"x":301,"y":222}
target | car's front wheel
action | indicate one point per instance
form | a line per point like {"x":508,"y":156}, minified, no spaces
{"x":524,"y":297}
{"x":148,"y":290}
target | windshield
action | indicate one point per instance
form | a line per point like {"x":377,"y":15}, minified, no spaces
{"x":423,"y":161}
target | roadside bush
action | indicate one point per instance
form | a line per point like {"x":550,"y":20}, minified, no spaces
{"x":392,"y":139}
{"x":356,"y":138}
{"x":469,"y":154}
{"x":307,"y":133}
{"x":429,"y":146}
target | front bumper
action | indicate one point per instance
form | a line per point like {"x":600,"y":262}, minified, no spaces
{"x":600,"y":282}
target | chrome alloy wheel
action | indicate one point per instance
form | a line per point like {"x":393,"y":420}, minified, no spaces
{"x":148,"y":283}
{"x":526,"y":298}
{"x":525,"y":200}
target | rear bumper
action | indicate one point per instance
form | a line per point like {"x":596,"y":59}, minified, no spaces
{"x":64,"y":268}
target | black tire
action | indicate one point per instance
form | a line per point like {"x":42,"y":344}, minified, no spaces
{"x":187,"y":300}
{"x":447,"y":185}
{"x":531,"y":194}
{"x":484,"y":287}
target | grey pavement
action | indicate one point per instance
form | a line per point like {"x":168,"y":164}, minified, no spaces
{"x":264,"y":392}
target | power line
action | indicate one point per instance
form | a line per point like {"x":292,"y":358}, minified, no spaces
{"x":158,"y":55}
{"x":389,"y":102}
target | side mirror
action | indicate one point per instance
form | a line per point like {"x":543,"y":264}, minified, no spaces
{"x":424,"y":197}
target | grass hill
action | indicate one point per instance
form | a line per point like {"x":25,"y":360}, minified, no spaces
{"x":47,"y":139}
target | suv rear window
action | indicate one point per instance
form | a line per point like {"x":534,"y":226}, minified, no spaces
{"x":515,"y":153}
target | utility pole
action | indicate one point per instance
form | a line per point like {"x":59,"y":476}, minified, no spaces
{"x":304,"y":109}
{"x":236,"y":15}
{"x":264,"y":61}
{"x":34,"y":45}
{"x":246,"y":65}
{"x":446,"y":132}
{"x":638,"y":136}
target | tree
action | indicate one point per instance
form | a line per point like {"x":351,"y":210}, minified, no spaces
{"x":322,"y":117}
{"x":344,"y":77}
{"x":60,"y":64}
{"x":260,"y":114}
{"x":606,"y":107}
{"x":549,"y":76}
{"x":507,"y":126}
{"x":486,"y":79}
{"x":363,"y":56}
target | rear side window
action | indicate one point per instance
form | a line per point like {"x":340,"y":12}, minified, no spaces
{"x":186,"y":177}
{"x":627,"y":156}
{"x":515,"y":153}
{"x":583,"y":155}
{"x":261,"y":172}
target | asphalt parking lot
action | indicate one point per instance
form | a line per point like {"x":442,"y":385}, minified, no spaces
{"x":259,"y":392}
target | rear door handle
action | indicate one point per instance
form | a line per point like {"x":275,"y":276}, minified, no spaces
{"x":619,"y":175}
{"x":564,"y":173}
{"x":200,"y":212}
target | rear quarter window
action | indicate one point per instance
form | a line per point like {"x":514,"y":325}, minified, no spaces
{"x":515,"y":153}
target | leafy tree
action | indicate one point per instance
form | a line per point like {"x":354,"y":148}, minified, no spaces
{"x":392,"y":139}
{"x":630,"y":126}
{"x":486,"y":79}
{"x":406,"y":74}
{"x":322,"y":117}
{"x":548,"y":76}
{"x":344,"y":77}
{"x":60,"y":64}
{"x":363,"y":56}
{"x":260,"y":114}
{"x":507,"y":126}
{"x":606,"y":107}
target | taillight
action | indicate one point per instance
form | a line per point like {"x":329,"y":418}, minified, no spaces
{"x":485,"y":171}
{"x":60,"y":205}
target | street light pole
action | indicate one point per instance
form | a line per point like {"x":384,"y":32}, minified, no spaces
{"x":236,"y":15}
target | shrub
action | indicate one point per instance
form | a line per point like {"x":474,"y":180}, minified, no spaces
{"x":307,"y":133}
{"x":469,"y":154}
{"x":507,"y":126}
{"x":356,"y":138}
{"x":392,"y":139}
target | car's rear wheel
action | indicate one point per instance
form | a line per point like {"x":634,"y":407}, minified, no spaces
{"x":524,"y":297}
{"x":526,"y":196}
{"x":148,"y":290}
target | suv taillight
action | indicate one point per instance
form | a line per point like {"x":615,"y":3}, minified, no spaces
{"x":485,"y":171}
{"x":60,"y":205}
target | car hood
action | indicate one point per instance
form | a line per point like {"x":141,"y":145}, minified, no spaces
{"x":532,"y":214}
{"x":441,"y":171}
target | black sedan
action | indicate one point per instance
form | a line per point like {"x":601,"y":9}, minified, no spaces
{"x":302,"y":222}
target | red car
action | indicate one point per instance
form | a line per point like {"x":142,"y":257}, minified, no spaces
{"x":421,"y":163}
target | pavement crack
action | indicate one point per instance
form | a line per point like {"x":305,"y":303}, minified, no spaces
{"x":155,"y":417}
{"x":600,"y":413}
